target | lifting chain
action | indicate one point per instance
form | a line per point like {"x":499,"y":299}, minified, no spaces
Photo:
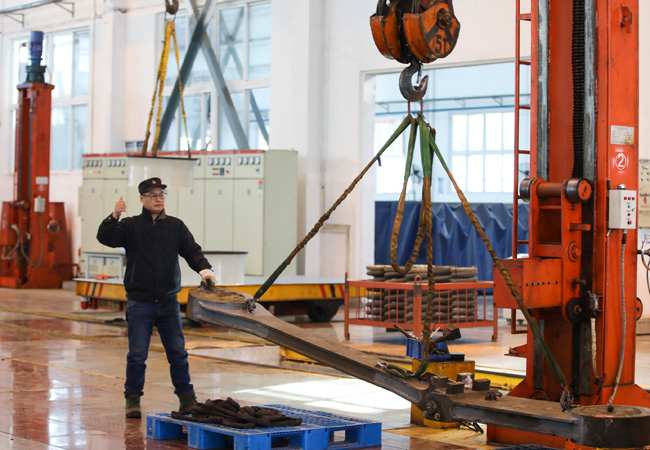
{"x":171,"y":7}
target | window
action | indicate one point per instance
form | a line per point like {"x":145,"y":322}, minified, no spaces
{"x":69,"y":68}
{"x":482,"y":151}
{"x":67,"y":58}
{"x":472,"y":110}
{"x":241,"y":37}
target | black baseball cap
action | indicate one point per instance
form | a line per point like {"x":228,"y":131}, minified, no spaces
{"x":149,"y":184}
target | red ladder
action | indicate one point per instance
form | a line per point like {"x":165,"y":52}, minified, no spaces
{"x":517,"y":151}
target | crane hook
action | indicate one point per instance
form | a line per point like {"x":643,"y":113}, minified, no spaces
{"x":171,"y":7}
{"x":409,"y":91}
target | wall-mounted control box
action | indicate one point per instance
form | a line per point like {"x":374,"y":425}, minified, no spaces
{"x":622,"y":209}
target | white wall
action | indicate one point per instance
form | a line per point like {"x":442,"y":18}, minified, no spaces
{"x":323,"y":59}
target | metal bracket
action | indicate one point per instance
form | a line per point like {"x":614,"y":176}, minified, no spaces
{"x":71,"y":10}
{"x":11,"y":11}
{"x":11,"y":16}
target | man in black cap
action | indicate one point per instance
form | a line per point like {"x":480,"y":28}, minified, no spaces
{"x":153,"y":241}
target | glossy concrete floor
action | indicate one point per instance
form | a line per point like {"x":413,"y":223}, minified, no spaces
{"x":62,"y":375}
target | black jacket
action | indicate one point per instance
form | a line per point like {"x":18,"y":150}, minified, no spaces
{"x":152,"y":249}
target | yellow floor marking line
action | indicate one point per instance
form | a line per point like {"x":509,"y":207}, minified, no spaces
{"x":52,"y":389}
{"x":46,"y":314}
{"x":61,"y":367}
{"x":63,"y":335}
{"x":105,"y":322}
{"x":114,"y":343}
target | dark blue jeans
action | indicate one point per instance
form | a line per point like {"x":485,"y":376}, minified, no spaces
{"x":166,"y":317}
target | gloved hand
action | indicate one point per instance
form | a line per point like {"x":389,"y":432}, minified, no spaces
{"x":209,"y":278}
{"x":120,"y":207}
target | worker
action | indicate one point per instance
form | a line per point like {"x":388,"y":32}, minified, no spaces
{"x":153,"y":241}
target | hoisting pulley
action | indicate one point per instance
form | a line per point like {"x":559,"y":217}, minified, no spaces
{"x":414,"y":32}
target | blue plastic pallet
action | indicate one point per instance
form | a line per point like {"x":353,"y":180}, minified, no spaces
{"x":319,"y":431}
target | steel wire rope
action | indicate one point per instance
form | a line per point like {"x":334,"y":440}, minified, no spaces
{"x":11,"y":254}
{"x":18,"y":249}
{"x":40,"y":250}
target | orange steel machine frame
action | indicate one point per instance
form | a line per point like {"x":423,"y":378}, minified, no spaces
{"x":579,"y":281}
{"x":33,"y":234}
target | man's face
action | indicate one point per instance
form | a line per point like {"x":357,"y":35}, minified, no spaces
{"x":153,"y":200}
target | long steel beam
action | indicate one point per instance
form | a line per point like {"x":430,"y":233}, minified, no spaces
{"x":438,"y":397}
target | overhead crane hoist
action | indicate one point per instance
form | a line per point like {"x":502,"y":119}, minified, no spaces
{"x":414,"y":33}
{"x":33,"y":232}
{"x":577,"y":287}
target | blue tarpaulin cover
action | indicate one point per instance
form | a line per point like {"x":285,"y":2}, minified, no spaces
{"x":455,"y":241}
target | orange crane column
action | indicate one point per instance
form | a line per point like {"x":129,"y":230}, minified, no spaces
{"x":33,"y":232}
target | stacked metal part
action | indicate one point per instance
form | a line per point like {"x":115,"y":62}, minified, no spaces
{"x":391,"y":304}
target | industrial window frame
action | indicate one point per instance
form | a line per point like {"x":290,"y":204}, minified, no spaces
{"x":212,"y":125}
{"x":70,"y":103}
{"x":440,"y":105}
{"x":477,"y":148}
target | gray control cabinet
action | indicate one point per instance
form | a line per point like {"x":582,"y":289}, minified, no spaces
{"x":241,"y":201}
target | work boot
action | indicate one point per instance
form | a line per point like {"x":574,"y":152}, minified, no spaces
{"x":132,"y":408}
{"x":186,"y":400}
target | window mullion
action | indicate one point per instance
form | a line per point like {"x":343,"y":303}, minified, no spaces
{"x":71,"y":114}
{"x":484,"y":152}
{"x":246,"y":108}
{"x":246,"y":42}
{"x":73,"y":62}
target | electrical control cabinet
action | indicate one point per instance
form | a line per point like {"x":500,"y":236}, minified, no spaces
{"x":115,"y":186}
{"x":241,"y":201}
{"x":265,"y":209}
{"x":622,"y":209}
{"x":250,"y":166}
{"x":191,"y":201}
{"x":248,"y":214}
{"x":115,"y":168}
{"x":91,"y":202}
{"x":91,"y":211}
{"x":219,"y":202}
{"x":93,"y":167}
